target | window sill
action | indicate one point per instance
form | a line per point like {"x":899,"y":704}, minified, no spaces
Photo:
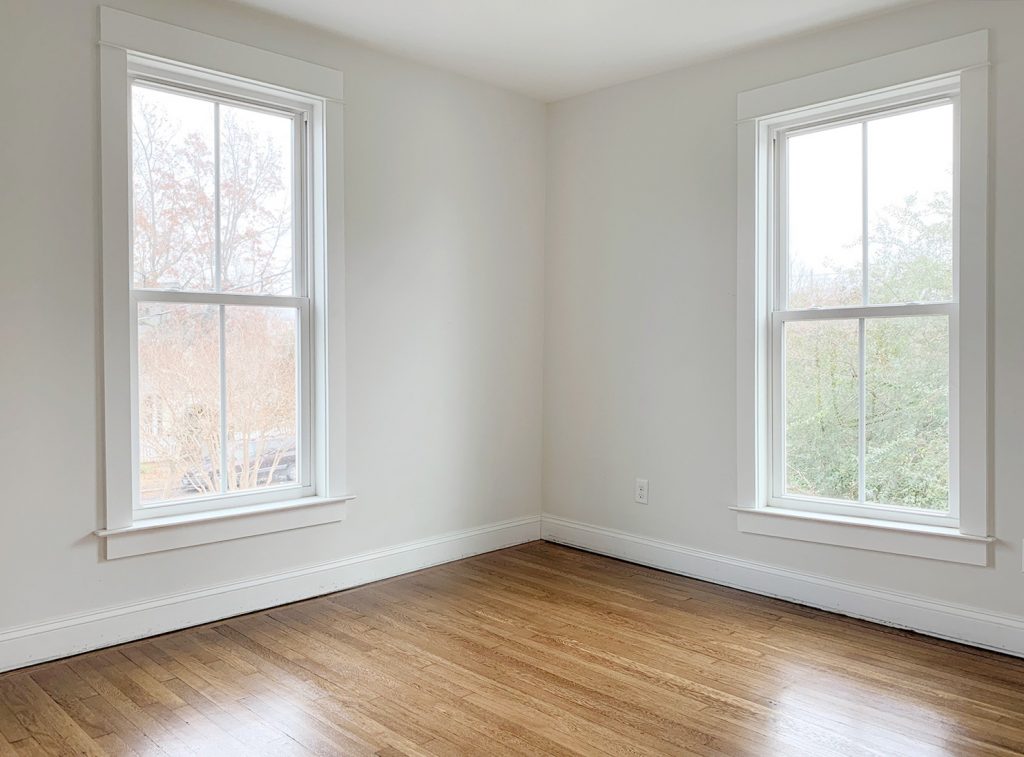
{"x":177,"y":531}
{"x":930,"y":542}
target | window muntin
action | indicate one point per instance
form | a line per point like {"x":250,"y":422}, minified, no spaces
{"x":221,"y":341}
{"x":863,"y":310}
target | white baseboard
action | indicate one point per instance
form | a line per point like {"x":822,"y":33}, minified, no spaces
{"x":1003,"y":633}
{"x":39,"y":642}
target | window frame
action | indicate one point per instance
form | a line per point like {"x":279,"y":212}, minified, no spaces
{"x":959,"y":63}
{"x":132,"y":46}
{"x":219,"y":90}
{"x":861,"y":110}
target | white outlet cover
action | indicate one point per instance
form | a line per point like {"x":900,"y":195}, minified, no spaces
{"x":641,"y":491}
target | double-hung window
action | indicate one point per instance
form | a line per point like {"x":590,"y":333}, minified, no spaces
{"x":221,"y":348}
{"x":220,"y":288}
{"x":862,"y":305}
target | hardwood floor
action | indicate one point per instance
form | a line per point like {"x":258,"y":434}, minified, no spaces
{"x":537,"y":649}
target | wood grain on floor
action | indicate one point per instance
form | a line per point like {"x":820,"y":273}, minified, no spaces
{"x":536,"y":649}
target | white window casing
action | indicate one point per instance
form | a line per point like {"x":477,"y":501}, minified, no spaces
{"x":954,"y":70}
{"x":132,"y":47}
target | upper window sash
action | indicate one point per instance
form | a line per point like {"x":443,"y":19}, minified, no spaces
{"x":859,"y":110}
{"x":224,"y":91}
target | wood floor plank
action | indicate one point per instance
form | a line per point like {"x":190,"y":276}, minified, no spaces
{"x":532,"y":650}
{"x":30,"y":748}
{"x":11,"y":729}
{"x":6,"y":748}
{"x":50,"y":725}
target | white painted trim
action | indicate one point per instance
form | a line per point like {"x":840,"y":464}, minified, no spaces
{"x":752,"y":282}
{"x":314,"y":91}
{"x":894,"y":537}
{"x":975,"y":285}
{"x":206,"y":527}
{"x":958,"y":67}
{"x":143,"y":35}
{"x":866,"y":311}
{"x":117,"y":330}
{"x":932,"y":60}
{"x":219,"y":298}
{"x":969,"y":625}
{"x":330,"y":377}
{"x":74,"y":634}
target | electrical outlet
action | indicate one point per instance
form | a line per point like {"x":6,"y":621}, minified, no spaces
{"x":640,"y":491}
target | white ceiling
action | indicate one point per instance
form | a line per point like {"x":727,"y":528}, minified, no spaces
{"x":552,"y":49}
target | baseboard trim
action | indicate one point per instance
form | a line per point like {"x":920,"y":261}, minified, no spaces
{"x":40,"y":642}
{"x":32,"y":644}
{"x":980,"y":628}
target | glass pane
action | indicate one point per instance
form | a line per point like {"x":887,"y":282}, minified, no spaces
{"x":262,"y":406}
{"x":907,"y":411}
{"x":172,"y":184}
{"x":179,"y":401}
{"x":256,"y":185}
{"x":822,"y":398}
{"x":910,"y":210}
{"x":825,"y":221}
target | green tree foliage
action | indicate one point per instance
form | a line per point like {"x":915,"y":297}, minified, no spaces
{"x":906,"y":374}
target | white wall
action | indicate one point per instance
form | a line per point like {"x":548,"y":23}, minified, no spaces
{"x":452,"y":309}
{"x":444,"y":225}
{"x":641,"y":313}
